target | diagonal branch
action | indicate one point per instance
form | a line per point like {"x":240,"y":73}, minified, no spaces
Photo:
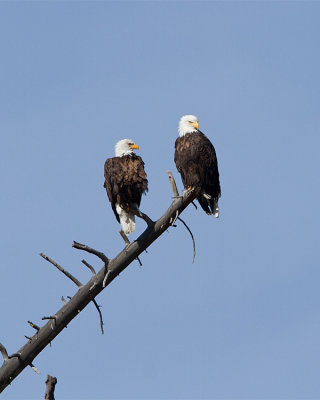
{"x":12,"y":367}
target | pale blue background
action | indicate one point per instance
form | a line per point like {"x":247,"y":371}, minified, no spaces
{"x":243,"y":321}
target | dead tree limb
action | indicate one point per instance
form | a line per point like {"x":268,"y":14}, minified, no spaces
{"x":51,"y":382}
{"x":100,"y":314}
{"x":173,"y":185}
{"x":4,"y":353}
{"x":89,"y":266}
{"x":12,"y":367}
{"x":76,"y":281}
{"x":191,"y":234}
{"x":63,"y":270}
{"x":34,"y":326}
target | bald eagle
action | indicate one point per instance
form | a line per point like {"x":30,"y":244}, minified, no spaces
{"x":125,"y":182}
{"x":196,"y":161}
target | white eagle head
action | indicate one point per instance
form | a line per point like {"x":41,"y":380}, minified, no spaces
{"x":125,"y":147}
{"x":188,"y":124}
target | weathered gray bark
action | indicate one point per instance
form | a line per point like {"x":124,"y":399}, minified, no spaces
{"x":14,"y":364}
{"x":50,"y":386}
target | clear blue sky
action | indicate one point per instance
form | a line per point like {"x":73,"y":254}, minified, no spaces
{"x":241,"y":322}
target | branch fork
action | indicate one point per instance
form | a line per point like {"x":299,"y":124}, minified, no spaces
{"x":14,"y":365}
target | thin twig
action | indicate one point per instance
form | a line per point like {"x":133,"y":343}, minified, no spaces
{"x":64,"y":271}
{"x":194,"y":204}
{"x":89,"y":266}
{"x":50,"y":317}
{"x":97,"y":253}
{"x":28,"y":337}
{"x":64,"y":301}
{"x":193,"y":242}
{"x":34,"y":368}
{"x":173,"y":184}
{"x":4,"y":352}
{"x":175,"y":218}
{"x":15,"y":355}
{"x":34,"y":326}
{"x":100,"y":314}
{"x":127,"y":242}
{"x":124,"y":237}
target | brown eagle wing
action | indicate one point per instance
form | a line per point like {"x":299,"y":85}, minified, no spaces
{"x":196,"y":160}
{"x":125,"y":181}
{"x":111,"y":183}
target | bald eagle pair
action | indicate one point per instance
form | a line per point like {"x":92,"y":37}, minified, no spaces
{"x":196,"y":161}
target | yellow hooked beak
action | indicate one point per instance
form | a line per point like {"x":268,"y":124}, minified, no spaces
{"x":134,"y":146}
{"x":195,"y":124}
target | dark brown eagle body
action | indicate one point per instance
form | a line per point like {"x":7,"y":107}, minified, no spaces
{"x":125,"y":181}
{"x":196,"y":160}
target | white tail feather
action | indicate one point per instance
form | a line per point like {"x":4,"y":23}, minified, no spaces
{"x":127,"y":220}
{"x":216,"y":209}
{"x":206,"y":196}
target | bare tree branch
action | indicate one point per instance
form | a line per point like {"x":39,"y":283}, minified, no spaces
{"x":78,"y":283}
{"x":34,"y":368}
{"x":124,"y":237}
{"x":100,"y":315}
{"x":89,"y":266}
{"x":11,"y":368}
{"x":127,"y":242}
{"x":34,"y":326}
{"x":97,"y":253}
{"x":4,"y":353}
{"x":50,"y":386}
{"x":143,"y":216}
{"x":63,"y":270}
{"x":193,"y":242}
{"x":174,"y":219}
{"x":50,"y":317}
{"x":173,"y":184}
{"x":194,"y":204}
